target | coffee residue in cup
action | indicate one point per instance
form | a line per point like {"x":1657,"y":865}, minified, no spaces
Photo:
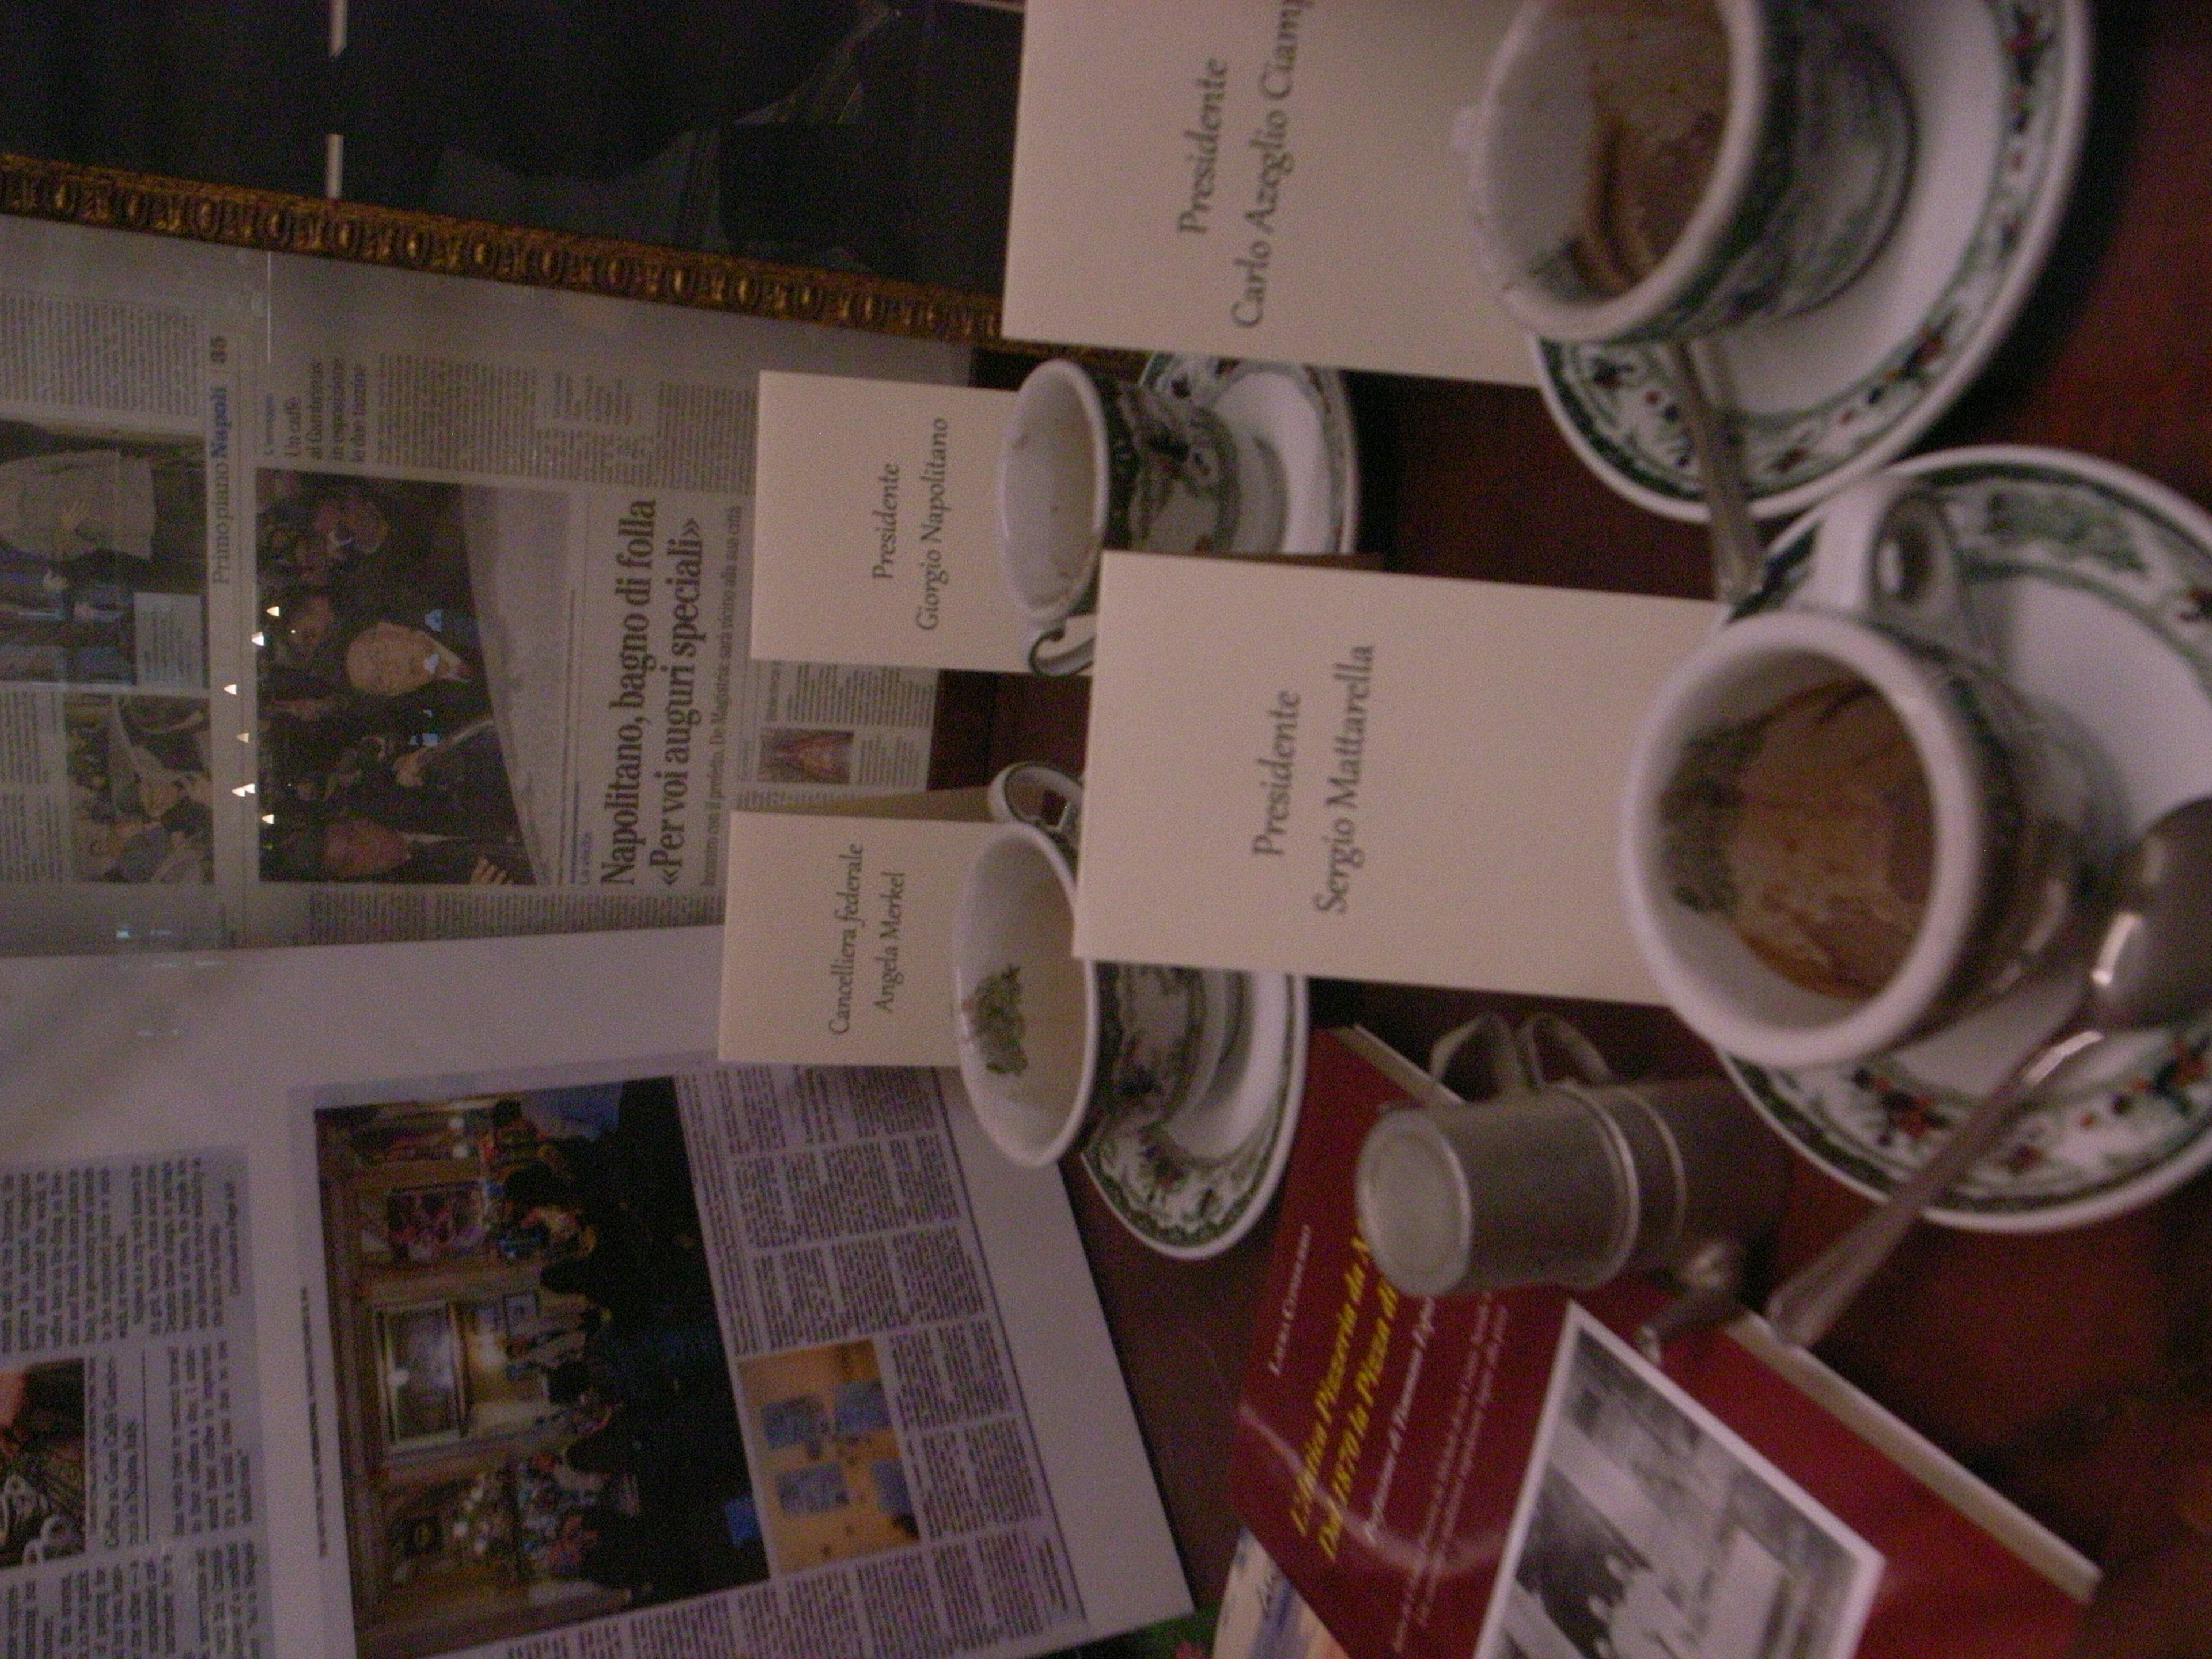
{"x":1810,"y":830}
{"x":995,"y":1023}
{"x":1659,"y":84}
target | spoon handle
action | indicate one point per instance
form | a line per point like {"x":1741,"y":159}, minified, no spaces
{"x":1802,"y":1310}
{"x":1739,"y":557}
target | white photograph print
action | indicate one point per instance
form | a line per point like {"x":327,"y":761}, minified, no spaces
{"x":1647,"y":1530}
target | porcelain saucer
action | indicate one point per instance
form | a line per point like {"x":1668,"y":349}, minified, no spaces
{"x":1194,"y":1183}
{"x":2093,"y":586}
{"x":2000,"y":94}
{"x":1303,"y":416}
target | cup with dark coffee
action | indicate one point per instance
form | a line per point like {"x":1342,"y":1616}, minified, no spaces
{"x":1656,"y":169}
{"x":1841,"y":828}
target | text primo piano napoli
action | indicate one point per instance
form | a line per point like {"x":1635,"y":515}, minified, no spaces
{"x":1343,"y":855}
{"x":1257,"y":224}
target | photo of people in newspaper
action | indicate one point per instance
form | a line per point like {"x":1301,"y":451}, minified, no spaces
{"x":42,"y":1465}
{"x":834,"y":1485}
{"x":535,"y":1415}
{"x":805,"y":755}
{"x":1647,"y":1530}
{"x":382,"y":758}
{"x":103,"y":557}
{"x":140,"y":800}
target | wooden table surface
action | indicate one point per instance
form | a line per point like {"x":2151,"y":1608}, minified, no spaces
{"x":2074,"y":1369}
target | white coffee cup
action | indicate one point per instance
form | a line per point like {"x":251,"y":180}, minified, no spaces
{"x":1048,"y":1041}
{"x":1090,"y":462}
{"x":2014,"y":825}
{"x":1810,"y":144}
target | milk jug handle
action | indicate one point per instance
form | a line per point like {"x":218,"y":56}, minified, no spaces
{"x":1485,"y":1057}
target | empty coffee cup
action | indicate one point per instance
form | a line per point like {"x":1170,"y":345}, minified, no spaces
{"x":1091,"y":462}
{"x":1841,"y":829}
{"x":1048,"y":1041}
{"x":1664,"y":169}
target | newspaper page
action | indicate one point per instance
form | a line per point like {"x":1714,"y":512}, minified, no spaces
{"x":702,"y":1362}
{"x":342,"y":603}
{"x":570,"y":1341}
{"x":130,"y":1460}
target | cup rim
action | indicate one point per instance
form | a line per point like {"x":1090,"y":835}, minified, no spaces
{"x":1058,"y":375}
{"x":1550,"y":317}
{"x":1683,"y":706}
{"x":1411,"y":1122}
{"x":974,"y":1077}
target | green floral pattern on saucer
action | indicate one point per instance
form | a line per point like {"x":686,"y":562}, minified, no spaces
{"x":1205,"y":381}
{"x":2100,"y":1146}
{"x":1618,"y":405}
{"x":1193,"y":1207}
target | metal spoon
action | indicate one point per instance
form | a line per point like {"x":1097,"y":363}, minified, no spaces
{"x":1623,"y":259}
{"x":1739,"y":555}
{"x":2153,"y":967}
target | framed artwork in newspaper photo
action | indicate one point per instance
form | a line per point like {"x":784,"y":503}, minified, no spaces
{"x":538,"y":1421}
{"x":848,"y":162}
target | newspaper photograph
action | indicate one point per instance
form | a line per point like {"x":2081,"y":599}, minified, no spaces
{"x":379,"y":756}
{"x":131,"y":1468}
{"x":103,"y":557}
{"x":42,"y":1450}
{"x":712,"y":1355}
{"x":1649,"y":1529}
{"x":342,"y":603}
{"x":450,"y":1298}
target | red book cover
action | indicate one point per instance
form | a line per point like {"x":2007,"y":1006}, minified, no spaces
{"x":1393,"y":1452}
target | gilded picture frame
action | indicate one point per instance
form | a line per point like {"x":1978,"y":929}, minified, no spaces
{"x":276,"y":221}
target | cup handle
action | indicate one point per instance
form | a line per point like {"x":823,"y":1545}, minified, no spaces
{"x":1043,"y":796}
{"x":1073,"y":660}
{"x":1884,"y":553}
{"x":1546,"y":1029}
{"x":1494,"y":1066}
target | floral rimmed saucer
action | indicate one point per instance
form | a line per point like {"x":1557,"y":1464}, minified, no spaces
{"x":2000,"y":94}
{"x":2093,"y":586}
{"x":1303,"y":416}
{"x":1192,"y":1184}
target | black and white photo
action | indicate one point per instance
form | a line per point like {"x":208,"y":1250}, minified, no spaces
{"x":1648,"y":1529}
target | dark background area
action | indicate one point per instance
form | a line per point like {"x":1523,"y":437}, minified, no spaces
{"x":858,"y":135}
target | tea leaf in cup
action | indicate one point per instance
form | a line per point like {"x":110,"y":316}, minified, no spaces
{"x":995,"y":1022}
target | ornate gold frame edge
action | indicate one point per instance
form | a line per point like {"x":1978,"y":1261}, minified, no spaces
{"x":278,"y":223}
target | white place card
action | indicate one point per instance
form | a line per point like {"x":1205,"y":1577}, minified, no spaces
{"x":837,"y":939}
{"x":1255,"y":178}
{"x":875,"y":526}
{"x":1366,"y":775}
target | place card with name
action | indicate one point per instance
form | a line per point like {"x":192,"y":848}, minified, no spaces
{"x":1396,"y":778}
{"x":1255,"y":178}
{"x":875,"y":526}
{"x":837,"y":936}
